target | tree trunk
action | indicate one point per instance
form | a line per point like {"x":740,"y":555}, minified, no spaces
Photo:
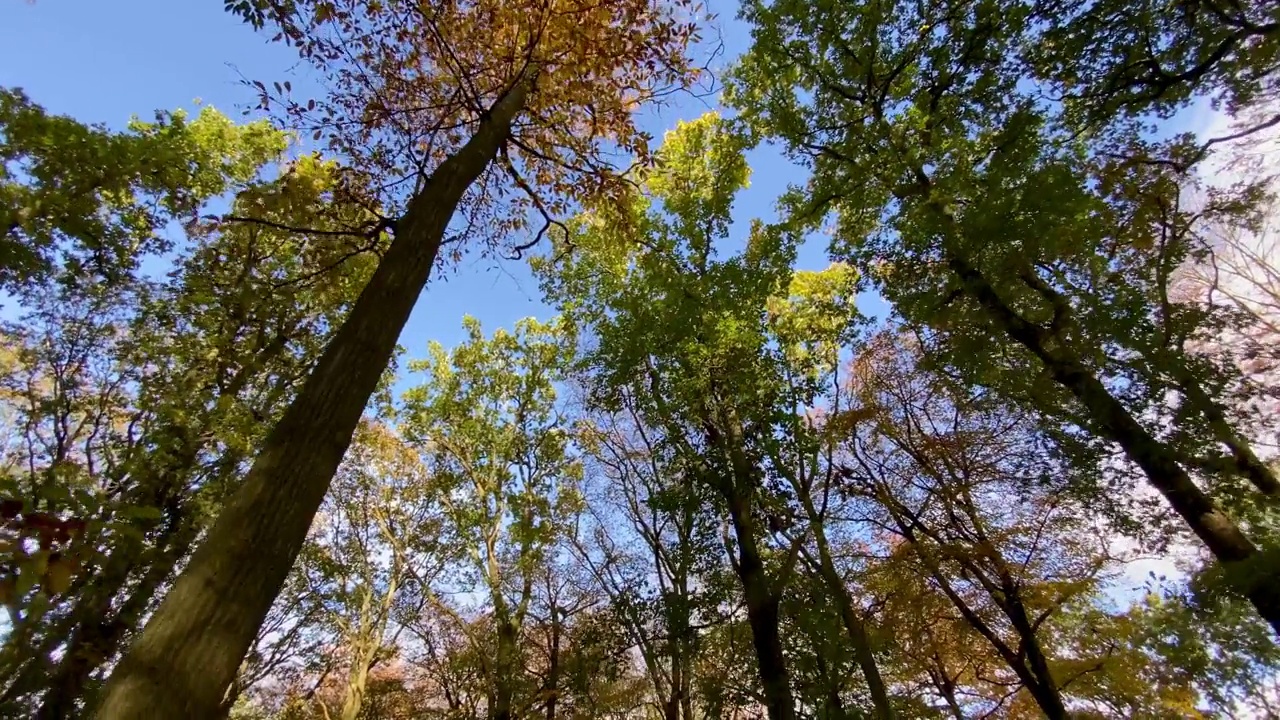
{"x":853,"y":624}
{"x":94,"y":628}
{"x":1247,"y":462}
{"x":353,"y":696}
{"x":1048,"y":699}
{"x":98,"y":630}
{"x":553,"y":666}
{"x":188,"y":654}
{"x":762,"y":615}
{"x":1160,"y":464}
{"x":1045,"y":690}
{"x":946,"y":687}
{"x":671,"y":708}
{"x":678,"y":698}
{"x":96,"y":640}
{"x":762,"y":600}
{"x":506,"y":666}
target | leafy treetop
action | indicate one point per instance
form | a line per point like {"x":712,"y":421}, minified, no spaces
{"x":407,"y":80}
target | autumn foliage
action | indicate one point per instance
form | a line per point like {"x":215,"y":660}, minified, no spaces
{"x":406,"y":80}
{"x":976,"y":424}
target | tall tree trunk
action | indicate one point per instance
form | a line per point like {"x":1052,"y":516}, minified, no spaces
{"x":678,"y":698}
{"x":763,"y":601}
{"x":367,"y":643}
{"x":1046,"y":690}
{"x":762,"y":614}
{"x":1046,"y":696}
{"x":187,"y":655}
{"x":946,"y":687}
{"x":671,"y":708}
{"x":504,"y":679}
{"x":1158,"y":462}
{"x":671,"y":705}
{"x":357,"y":681}
{"x":97,"y":628}
{"x":852,"y":620}
{"x":553,"y":666}
{"x":93,"y":628}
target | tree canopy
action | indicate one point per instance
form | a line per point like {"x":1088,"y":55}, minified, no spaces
{"x":709,"y":478}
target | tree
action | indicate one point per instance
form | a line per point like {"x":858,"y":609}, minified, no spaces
{"x":1156,"y":57}
{"x":81,"y":203}
{"x":135,"y":400}
{"x":813,"y":322}
{"x":937,"y":464}
{"x":289,"y":646}
{"x":710,"y":487}
{"x":668,"y":328}
{"x":376,"y":540}
{"x":1241,"y":274}
{"x":987,"y":226}
{"x":690,"y":339}
{"x":653,"y":549}
{"x":488,"y":422}
{"x":423,"y":99}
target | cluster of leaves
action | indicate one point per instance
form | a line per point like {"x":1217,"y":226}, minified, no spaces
{"x":405,"y":83}
{"x":47,"y":566}
{"x":82,"y":202}
{"x":141,"y":368}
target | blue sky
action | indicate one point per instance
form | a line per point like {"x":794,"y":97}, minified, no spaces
{"x":104,"y":61}
{"x":107,"y":61}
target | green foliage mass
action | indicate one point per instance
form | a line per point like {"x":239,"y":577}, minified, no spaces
{"x":710,"y":486}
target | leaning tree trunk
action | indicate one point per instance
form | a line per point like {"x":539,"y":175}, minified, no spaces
{"x":188,"y":654}
{"x":854,"y":627}
{"x":1215,"y":528}
{"x":1047,"y":692}
{"x":1247,"y":462}
{"x":1047,"y":697}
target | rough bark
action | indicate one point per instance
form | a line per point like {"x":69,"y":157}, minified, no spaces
{"x":185,"y":658}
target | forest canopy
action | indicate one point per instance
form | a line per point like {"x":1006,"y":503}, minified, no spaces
{"x":974,"y":418}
